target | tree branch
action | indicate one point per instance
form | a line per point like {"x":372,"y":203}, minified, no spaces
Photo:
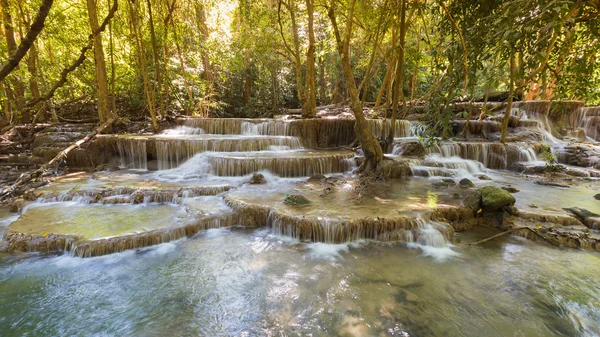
{"x":27,"y":42}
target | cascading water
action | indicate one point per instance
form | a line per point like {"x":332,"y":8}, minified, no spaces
{"x":132,"y":153}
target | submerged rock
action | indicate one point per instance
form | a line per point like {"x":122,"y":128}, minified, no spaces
{"x":296,"y":200}
{"x":439,"y":184}
{"x":16,"y":205}
{"x":597,"y":196}
{"x":317,"y":178}
{"x":484,"y":177}
{"x":466,"y":183}
{"x":258,"y":179}
{"x":491,"y":199}
{"x":589,"y":219}
{"x":510,"y":189}
{"x":449,"y":181}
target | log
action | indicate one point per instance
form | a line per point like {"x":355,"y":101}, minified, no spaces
{"x":508,"y":232}
{"x":9,"y":192}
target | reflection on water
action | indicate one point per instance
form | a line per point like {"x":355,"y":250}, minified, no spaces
{"x":250,"y":283}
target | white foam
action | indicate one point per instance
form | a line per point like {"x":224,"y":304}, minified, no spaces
{"x":438,"y":254}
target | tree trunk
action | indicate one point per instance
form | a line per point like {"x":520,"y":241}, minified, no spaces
{"x":101,"y":78}
{"x":309,"y":109}
{"x":371,"y":148}
{"x":11,"y":44}
{"x":134,"y":10}
{"x":399,"y":73}
{"x":156,"y":58}
{"x":511,"y":90}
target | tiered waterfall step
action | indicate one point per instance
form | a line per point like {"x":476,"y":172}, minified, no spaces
{"x":92,"y":230}
{"x":282,"y":163}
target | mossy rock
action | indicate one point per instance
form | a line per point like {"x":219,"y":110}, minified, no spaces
{"x":466,"y":183}
{"x":491,"y":199}
{"x":494,"y":199}
{"x":296,"y":200}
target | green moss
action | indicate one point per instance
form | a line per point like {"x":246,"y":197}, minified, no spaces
{"x":296,"y":200}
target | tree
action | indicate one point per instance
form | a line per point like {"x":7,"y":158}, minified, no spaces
{"x":371,"y":148}
{"x":104,"y":113}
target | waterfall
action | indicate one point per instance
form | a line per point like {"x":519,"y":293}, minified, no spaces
{"x":173,"y":152}
{"x":132,"y":153}
{"x":588,"y":119}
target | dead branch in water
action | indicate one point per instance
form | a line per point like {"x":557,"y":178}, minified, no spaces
{"x":55,"y":162}
{"x":508,"y":232}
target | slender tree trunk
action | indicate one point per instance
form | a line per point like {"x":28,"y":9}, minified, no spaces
{"x":511,"y":92}
{"x":101,"y":78}
{"x":18,"y":91}
{"x":113,"y":99}
{"x":309,"y":109}
{"x":399,"y":73}
{"x":134,"y":12}
{"x":322,"y":82}
{"x":156,"y":58}
{"x":371,"y":148}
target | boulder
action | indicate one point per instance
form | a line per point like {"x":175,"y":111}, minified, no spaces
{"x":16,"y":205}
{"x":392,"y":169}
{"x":257,"y":179}
{"x":597,"y":196}
{"x":296,"y":200}
{"x":466,"y":183}
{"x":491,"y":199}
{"x":410,"y":149}
{"x":494,"y":199}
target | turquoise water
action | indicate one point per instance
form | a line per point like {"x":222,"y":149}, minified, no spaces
{"x":242,"y":282}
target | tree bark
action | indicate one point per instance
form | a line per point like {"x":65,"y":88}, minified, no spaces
{"x":510,"y":96}
{"x":310,"y":107}
{"x":18,"y":90}
{"x":156,"y":58}
{"x":134,"y":10}
{"x":398,"y":91}
{"x":101,"y":77}
{"x":371,"y":148}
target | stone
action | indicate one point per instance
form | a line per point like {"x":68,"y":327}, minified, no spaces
{"x":456,"y":196}
{"x":466,"y":183}
{"x":512,"y":210}
{"x":410,"y":149}
{"x":392,"y":169}
{"x":484,"y":177}
{"x":510,"y":189}
{"x":317,"y":178}
{"x":494,"y":199}
{"x":580,"y":135}
{"x":439,"y":184}
{"x":449,"y":181}
{"x":257,"y":179}
{"x":16,"y":205}
{"x":597,"y":196}
{"x":296,"y":200}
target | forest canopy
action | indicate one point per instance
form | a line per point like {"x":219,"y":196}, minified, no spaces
{"x":242,"y":58}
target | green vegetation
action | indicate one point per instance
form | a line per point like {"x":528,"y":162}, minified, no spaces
{"x":240,"y":58}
